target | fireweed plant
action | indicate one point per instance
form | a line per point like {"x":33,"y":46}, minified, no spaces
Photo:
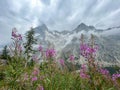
{"x":53,"y":73}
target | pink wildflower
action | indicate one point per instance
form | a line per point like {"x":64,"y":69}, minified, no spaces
{"x":104,"y":72}
{"x":40,"y":48}
{"x":115,"y":76}
{"x":19,"y":37}
{"x":50,"y":53}
{"x":87,"y":51}
{"x":62,"y":62}
{"x":15,"y":35}
{"x":84,"y":75}
{"x":83,"y":72}
{"x":71,"y":58}
{"x":35,"y":58}
{"x":34,"y":78}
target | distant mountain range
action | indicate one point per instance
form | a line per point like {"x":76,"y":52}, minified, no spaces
{"x":68,"y":42}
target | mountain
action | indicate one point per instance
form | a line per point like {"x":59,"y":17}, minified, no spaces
{"x":68,"y":42}
{"x":84,"y":27}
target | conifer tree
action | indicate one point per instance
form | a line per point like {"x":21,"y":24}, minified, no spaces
{"x":4,"y":53}
{"x":30,"y":40}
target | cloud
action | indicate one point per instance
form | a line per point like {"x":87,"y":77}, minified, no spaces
{"x":56,"y":14}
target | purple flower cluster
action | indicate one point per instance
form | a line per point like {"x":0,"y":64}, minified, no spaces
{"x":35,"y":73}
{"x":15,"y":35}
{"x":34,"y":79}
{"x":71,"y":57}
{"x":104,"y":71}
{"x":87,"y":51}
{"x":50,"y":53}
{"x":17,"y":38}
{"x":14,"y":31}
{"x":35,"y":58}
{"x":83,"y":71}
{"x":115,"y":76}
{"x":62,"y":62}
{"x":40,"y":48}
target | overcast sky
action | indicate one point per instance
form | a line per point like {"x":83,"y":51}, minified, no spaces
{"x":56,"y":14}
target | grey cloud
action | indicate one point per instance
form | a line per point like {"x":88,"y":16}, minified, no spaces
{"x":57,"y":14}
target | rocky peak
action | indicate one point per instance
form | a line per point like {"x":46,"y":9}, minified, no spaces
{"x":85,"y":27}
{"x":42,"y":28}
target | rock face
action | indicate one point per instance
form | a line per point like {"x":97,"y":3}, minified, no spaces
{"x":68,"y":42}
